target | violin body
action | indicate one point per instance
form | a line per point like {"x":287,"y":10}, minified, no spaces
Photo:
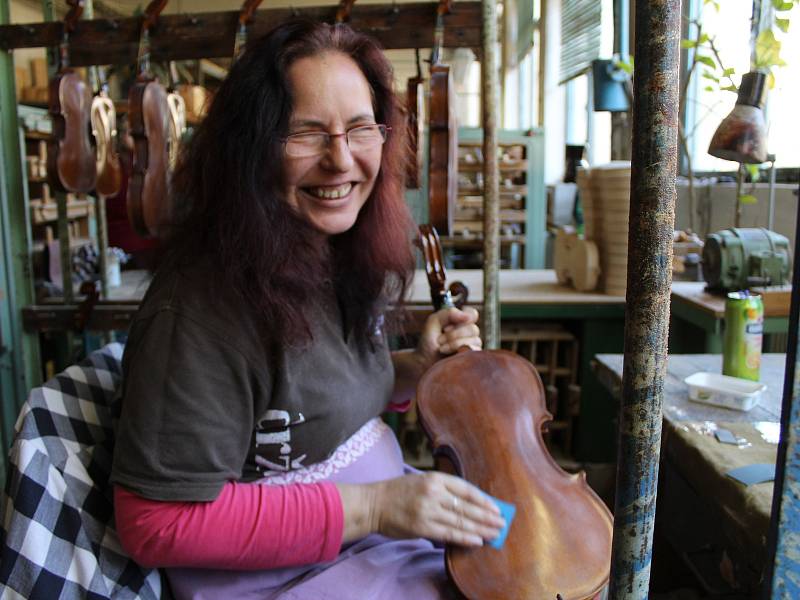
{"x":483,"y":412}
{"x":148,"y":189}
{"x":415,"y":101}
{"x":443,"y":150}
{"x":104,"y":127}
{"x":71,"y":163}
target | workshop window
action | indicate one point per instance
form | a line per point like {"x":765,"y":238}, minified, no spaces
{"x":707,"y":105}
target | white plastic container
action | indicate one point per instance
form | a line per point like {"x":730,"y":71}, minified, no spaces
{"x":723,"y":390}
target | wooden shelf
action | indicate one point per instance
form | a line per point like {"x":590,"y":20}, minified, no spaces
{"x":505,"y":167}
{"x":74,"y":244}
{"x":479,"y":144}
{"x":506,"y":216}
{"x":456,"y":241}
{"x":513,"y":164}
{"x":32,"y":134}
{"x":42,"y":213}
{"x":504,"y":190}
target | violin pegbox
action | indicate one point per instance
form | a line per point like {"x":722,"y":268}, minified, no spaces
{"x":441,"y":296}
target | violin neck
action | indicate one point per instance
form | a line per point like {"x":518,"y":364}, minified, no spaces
{"x":240,"y":41}
{"x":63,"y":51}
{"x":438,"y":39}
{"x":143,"y":58}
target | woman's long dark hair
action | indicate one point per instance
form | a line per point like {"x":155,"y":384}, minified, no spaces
{"x":228,"y":200}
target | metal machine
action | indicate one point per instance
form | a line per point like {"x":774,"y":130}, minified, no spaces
{"x":736,"y":259}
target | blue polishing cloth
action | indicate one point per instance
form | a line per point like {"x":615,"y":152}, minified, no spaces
{"x":507,"y":511}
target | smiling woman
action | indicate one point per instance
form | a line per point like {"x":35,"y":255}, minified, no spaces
{"x":328,"y":180}
{"x":258,"y":364}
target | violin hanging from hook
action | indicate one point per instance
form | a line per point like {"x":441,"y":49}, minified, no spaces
{"x":443,"y":134}
{"x":71,"y":162}
{"x":149,"y":115}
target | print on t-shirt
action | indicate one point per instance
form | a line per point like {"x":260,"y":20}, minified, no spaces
{"x":274,"y":439}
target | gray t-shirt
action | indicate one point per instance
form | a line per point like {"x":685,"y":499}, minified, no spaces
{"x":205,"y":401}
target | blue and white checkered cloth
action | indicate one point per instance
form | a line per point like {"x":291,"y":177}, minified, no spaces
{"x":57,"y":538}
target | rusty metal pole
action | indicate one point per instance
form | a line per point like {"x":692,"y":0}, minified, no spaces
{"x":491,"y":179}
{"x":652,"y":217}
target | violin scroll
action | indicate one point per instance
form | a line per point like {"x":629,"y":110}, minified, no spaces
{"x":441,"y":297}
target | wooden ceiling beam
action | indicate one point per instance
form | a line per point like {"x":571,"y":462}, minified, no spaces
{"x":211,"y":35}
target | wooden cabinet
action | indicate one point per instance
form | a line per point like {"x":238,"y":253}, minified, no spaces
{"x":522,"y":200}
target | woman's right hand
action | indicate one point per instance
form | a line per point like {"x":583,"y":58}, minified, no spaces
{"x":436,"y":506}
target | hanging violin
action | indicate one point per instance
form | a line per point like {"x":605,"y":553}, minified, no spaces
{"x":149,"y":111}
{"x":415,"y":102}
{"x":71,"y":163}
{"x":443,"y":134}
{"x":483,"y":412}
{"x":104,"y":129}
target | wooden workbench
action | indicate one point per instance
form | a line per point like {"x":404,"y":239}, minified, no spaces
{"x":518,"y":288}
{"x":704,"y":513}
{"x":695,"y":310}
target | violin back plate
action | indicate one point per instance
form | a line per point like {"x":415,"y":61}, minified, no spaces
{"x":71,"y":163}
{"x":484,"y":411}
{"x":148,"y":199}
{"x":443,"y":150}
{"x":415,"y":103}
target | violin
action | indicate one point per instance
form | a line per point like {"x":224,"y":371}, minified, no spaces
{"x":70,"y":154}
{"x":245,"y":16}
{"x":150,"y":128}
{"x":415,"y":101}
{"x":443,"y":131}
{"x":483,"y":412}
{"x":104,"y":129}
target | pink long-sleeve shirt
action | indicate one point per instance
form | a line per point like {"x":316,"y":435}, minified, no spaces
{"x":265,"y":527}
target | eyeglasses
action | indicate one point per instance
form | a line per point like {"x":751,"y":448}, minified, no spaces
{"x":314,"y":143}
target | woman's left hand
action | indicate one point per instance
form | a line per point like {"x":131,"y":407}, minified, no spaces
{"x":447,"y":330}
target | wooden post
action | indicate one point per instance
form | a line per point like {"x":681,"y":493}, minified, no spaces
{"x":491,"y":180}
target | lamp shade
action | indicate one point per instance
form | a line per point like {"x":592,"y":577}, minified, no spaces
{"x":742,"y":135}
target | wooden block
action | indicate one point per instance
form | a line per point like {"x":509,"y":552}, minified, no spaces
{"x":776,"y":299}
{"x":32,"y":166}
{"x":34,"y":95}
{"x":39,"y":70}
{"x":22,"y":79}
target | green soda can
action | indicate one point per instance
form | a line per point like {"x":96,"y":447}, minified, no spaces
{"x":744,"y":332}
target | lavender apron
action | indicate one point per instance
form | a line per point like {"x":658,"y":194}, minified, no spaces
{"x":374,"y":567}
